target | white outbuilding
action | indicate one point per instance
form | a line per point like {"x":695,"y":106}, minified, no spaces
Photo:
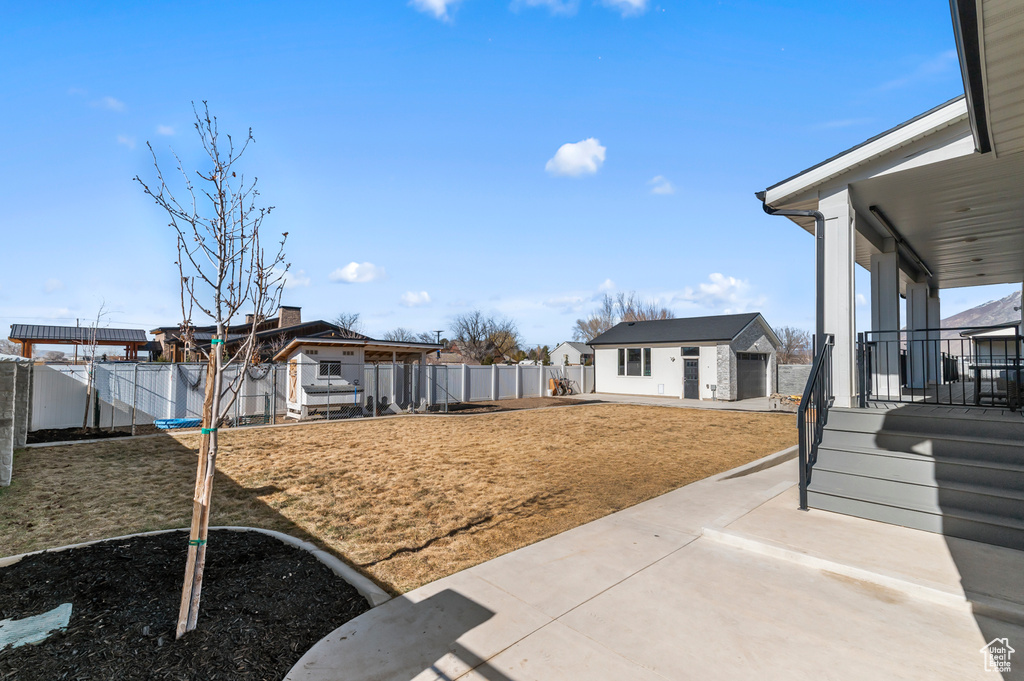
{"x":723,"y":357}
{"x":572,"y":353}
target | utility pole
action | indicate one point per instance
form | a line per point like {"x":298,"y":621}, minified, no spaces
{"x":438,"y":332}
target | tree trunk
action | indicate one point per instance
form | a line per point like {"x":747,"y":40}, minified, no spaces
{"x":198,"y":500}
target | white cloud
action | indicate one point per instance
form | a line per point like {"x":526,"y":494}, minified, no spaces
{"x":726,"y":295}
{"x":566,"y":7}
{"x":415,"y":299}
{"x":861,"y":300}
{"x":109,"y":103}
{"x":164,"y":130}
{"x":627,"y":7}
{"x":52,"y":285}
{"x":438,"y":8}
{"x":126,"y":141}
{"x":578,"y":158}
{"x":661,"y":185}
{"x":357,"y":273}
{"x":606,"y":285}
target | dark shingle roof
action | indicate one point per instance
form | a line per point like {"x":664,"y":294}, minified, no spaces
{"x":80,"y":334}
{"x":689,"y":330}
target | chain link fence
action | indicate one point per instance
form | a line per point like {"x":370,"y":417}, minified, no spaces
{"x":129,"y":395}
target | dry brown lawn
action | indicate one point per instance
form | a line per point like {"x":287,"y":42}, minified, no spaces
{"x":406,"y":500}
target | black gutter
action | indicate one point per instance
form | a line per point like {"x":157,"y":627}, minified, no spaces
{"x":819,"y":264}
{"x":968,"y":47}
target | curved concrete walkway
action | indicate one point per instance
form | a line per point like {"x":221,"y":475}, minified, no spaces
{"x":641,"y":595}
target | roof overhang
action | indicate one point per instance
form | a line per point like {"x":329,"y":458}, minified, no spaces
{"x":991,"y":51}
{"x":368,"y":345}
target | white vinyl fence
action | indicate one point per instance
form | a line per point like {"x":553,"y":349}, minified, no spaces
{"x":130,"y":393}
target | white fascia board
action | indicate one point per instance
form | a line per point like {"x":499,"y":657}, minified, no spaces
{"x":844,"y":163}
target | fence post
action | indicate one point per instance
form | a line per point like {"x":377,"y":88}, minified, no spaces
{"x":543,"y":371}
{"x":394,"y":371}
{"x":464,"y":390}
{"x":273,"y":401}
{"x":519,"y":382}
{"x":135,"y":394}
{"x":376,"y":386}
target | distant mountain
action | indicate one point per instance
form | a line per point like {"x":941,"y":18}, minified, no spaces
{"x":988,"y":314}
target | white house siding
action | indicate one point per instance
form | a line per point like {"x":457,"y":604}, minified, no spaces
{"x":664,"y":372}
{"x":559,"y":353}
{"x":708,"y":371}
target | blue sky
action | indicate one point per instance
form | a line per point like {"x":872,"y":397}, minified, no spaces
{"x":415,"y":150}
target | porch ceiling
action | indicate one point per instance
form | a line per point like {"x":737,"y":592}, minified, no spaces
{"x":964,"y":217}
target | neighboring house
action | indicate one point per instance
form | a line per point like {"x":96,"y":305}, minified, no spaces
{"x":272,"y":334}
{"x":726,"y":357}
{"x":932,"y":204}
{"x":570,"y":352}
{"x":325,"y":370}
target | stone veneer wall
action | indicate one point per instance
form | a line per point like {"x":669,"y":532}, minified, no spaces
{"x":753,"y":339}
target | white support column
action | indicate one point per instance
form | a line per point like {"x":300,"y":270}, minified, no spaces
{"x":543,"y":371}
{"x":884,"y":352}
{"x":917,"y":346}
{"x":935,"y":338}
{"x":519,"y":382}
{"x":465,"y":384}
{"x":494,"y":381}
{"x":840,"y":252}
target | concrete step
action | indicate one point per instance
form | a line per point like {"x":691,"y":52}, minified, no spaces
{"x":979,"y":527}
{"x":919,"y":468}
{"x":931,"y":498}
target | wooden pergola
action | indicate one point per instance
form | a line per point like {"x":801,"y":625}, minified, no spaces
{"x":29,"y":335}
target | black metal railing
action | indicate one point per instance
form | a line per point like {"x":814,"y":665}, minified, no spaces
{"x":977,"y":366}
{"x":813,"y":414}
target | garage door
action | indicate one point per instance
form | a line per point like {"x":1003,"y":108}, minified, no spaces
{"x":751,"y":374}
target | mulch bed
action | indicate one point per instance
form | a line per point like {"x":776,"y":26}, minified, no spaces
{"x":264,"y":604}
{"x":75,"y":434}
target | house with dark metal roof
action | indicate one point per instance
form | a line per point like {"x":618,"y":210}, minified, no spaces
{"x":272,"y":334}
{"x":723,"y":357}
{"x":29,"y":335}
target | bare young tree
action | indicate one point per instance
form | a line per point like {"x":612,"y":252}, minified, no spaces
{"x":93,"y":336}
{"x":350,"y":324}
{"x":796,"y":345}
{"x":399,"y":335}
{"x":9,"y":347}
{"x":625,"y":307}
{"x":224,"y":272}
{"x":480,"y":337}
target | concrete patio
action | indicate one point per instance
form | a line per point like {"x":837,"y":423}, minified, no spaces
{"x":721,"y":579}
{"x":752,"y":404}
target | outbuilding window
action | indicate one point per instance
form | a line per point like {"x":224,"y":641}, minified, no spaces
{"x":634,"y":361}
{"x":329,"y":368}
{"x":690,"y":351}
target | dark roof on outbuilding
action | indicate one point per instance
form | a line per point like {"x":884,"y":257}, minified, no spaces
{"x":688,"y":330}
{"x":75,"y":334}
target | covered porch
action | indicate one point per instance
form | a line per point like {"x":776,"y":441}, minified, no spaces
{"x":903,"y":421}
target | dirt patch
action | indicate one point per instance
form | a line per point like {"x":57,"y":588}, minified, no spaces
{"x":264,"y":604}
{"x":508,"y":405}
{"x":406,"y":500}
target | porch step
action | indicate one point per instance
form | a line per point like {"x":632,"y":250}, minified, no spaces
{"x":954,"y":471}
{"x":930,"y":421}
{"x":929,"y":498}
{"x":919,"y":469}
{"x":980,"y":527}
